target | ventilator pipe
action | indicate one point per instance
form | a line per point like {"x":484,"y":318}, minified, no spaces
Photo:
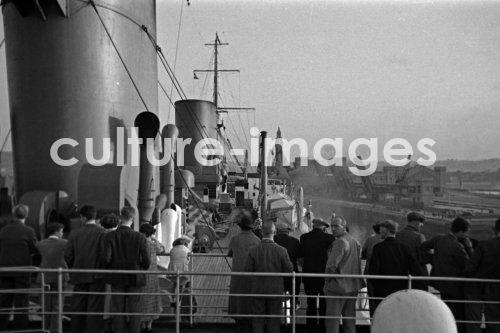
{"x":148,"y":125}
{"x":167,"y":172}
{"x":263,"y":176}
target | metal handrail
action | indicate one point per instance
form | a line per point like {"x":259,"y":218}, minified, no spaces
{"x":177,"y":274}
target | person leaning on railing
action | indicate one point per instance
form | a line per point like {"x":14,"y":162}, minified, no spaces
{"x":109,"y":222}
{"x":449,"y":260}
{"x":391,"y":257}
{"x":17,"y":248}
{"x":179,"y":262}
{"x":267,"y":257}
{"x":239,"y":246}
{"x":484,"y":264}
{"x":151,"y":303}
{"x":314,"y":247}
{"x":344,"y":257}
{"x":126,"y":249}
{"x":52,"y":252}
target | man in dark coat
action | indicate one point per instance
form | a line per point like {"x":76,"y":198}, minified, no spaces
{"x":84,"y":251}
{"x":314,"y":251}
{"x":292,"y":246}
{"x":391,"y":257}
{"x":126,"y":249}
{"x":411,"y":236}
{"x":52,"y":252}
{"x":239,"y":246}
{"x":449,"y":260}
{"x":267,"y":257}
{"x":484,"y":264}
{"x":17,"y":247}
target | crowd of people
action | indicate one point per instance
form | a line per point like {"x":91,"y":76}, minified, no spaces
{"x":110,"y":243}
{"x":387,"y":252}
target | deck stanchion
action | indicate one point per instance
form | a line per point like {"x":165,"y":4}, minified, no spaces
{"x":177,"y":304}
{"x":293,"y":302}
{"x":409,"y":281}
{"x":42,"y":298}
{"x":60,"y":300}
{"x":191,"y":286}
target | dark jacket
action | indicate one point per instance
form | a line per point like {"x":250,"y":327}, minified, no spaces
{"x":484,"y":264}
{"x":268,"y":257}
{"x":292,"y":246}
{"x":126,"y":249}
{"x":17,"y":246}
{"x":52,"y":252}
{"x":84,"y":251}
{"x":411,"y":237}
{"x":314,"y":247}
{"x":449,"y":260}
{"x":391,"y":257}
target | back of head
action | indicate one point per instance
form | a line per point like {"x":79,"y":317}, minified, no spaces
{"x":268,"y":229}
{"x":110,"y":221}
{"x":245,"y":220}
{"x":53,"y":228}
{"x":184,"y":240}
{"x":460,"y":224}
{"x":497,"y":226}
{"x":88,"y":212}
{"x":415,"y":217}
{"x":340,"y":221}
{"x":147,"y":229}
{"x":20,"y":212}
{"x":127,"y":213}
{"x":319,"y":223}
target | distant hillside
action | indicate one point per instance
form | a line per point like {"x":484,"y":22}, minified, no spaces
{"x":492,"y":164}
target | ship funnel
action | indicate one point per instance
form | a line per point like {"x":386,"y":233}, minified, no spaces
{"x":167,"y":172}
{"x":148,"y":126}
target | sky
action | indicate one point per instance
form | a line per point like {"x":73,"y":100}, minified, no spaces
{"x":341,"y":69}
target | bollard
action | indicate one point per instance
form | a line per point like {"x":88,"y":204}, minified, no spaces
{"x":413,"y":311}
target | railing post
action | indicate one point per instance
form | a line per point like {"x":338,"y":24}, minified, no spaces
{"x":42,"y":298}
{"x":60,"y":300}
{"x":409,"y":281}
{"x":178,"y":304}
{"x":293,"y":301}
{"x":191,"y":319}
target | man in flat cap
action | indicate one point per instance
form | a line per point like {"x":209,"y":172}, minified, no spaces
{"x":267,"y":257}
{"x":391,"y":257}
{"x":17,"y":248}
{"x":344,"y":257}
{"x":239,"y":246}
{"x":314,"y":251}
{"x":292,"y":246}
{"x":411,"y":236}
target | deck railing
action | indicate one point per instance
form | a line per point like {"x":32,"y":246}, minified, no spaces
{"x":290,"y":317}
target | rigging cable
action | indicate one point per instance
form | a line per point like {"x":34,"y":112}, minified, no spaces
{"x":176,"y":50}
{"x":237,"y":112}
{"x":91,"y":2}
{"x":119,"y":54}
{"x":4,"y":142}
{"x":2,"y":42}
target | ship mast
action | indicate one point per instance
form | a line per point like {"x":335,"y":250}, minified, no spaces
{"x":216,"y":72}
